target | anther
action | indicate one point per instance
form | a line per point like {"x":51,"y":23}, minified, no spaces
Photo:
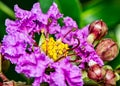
{"x":49,"y":21}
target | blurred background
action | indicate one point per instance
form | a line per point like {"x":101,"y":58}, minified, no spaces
{"x":82,"y":11}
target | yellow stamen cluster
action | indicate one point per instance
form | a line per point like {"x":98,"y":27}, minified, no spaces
{"x":54,"y":49}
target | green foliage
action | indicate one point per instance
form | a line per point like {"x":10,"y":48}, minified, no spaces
{"x":3,"y":16}
{"x":71,"y":8}
{"x":108,"y":11}
{"x":45,"y":5}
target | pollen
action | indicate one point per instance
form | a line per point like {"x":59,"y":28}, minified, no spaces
{"x":54,"y":49}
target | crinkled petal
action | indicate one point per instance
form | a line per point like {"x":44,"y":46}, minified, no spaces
{"x":54,"y":12}
{"x":20,"y":13}
{"x":72,"y":74}
{"x":69,"y":22}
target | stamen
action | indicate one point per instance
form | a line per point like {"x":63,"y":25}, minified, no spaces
{"x":68,"y":55}
{"x":70,"y":49}
{"x":46,"y":46}
{"x":72,"y":30}
{"x":76,"y":60}
{"x":54,"y":49}
{"x":60,"y":58}
{"x":76,"y":45}
{"x":49,"y":21}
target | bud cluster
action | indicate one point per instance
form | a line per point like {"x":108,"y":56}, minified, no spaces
{"x":105,"y":77}
{"x":107,"y":49}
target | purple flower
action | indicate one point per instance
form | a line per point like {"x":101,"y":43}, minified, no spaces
{"x":47,"y":62}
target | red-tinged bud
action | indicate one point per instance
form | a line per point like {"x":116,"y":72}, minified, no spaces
{"x":110,"y":78}
{"x":96,"y":72}
{"x":97,"y":30}
{"x":107,"y":49}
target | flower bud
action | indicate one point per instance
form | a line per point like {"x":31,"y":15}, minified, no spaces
{"x":95,"y":72}
{"x":97,"y":30}
{"x":110,"y":78}
{"x":107,"y":50}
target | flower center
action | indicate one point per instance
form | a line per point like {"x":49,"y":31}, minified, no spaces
{"x":54,"y":49}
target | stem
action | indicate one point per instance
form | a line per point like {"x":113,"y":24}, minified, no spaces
{"x":91,"y":38}
{"x":73,"y":29}
{"x":6,"y":10}
{"x":2,"y":76}
{"x":95,"y":43}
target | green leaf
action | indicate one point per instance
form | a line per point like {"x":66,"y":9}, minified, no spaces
{"x":118,"y":83}
{"x":3,"y":16}
{"x":45,"y":5}
{"x":108,"y":11}
{"x":6,"y":10}
{"x":117,"y":30}
{"x":71,"y":8}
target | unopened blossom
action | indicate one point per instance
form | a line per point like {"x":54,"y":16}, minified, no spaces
{"x":47,"y":61}
{"x":95,"y":71}
{"x":110,"y":78}
{"x":107,"y":49}
{"x":98,"y":29}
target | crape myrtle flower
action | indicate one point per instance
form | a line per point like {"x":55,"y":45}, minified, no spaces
{"x":48,"y":62}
